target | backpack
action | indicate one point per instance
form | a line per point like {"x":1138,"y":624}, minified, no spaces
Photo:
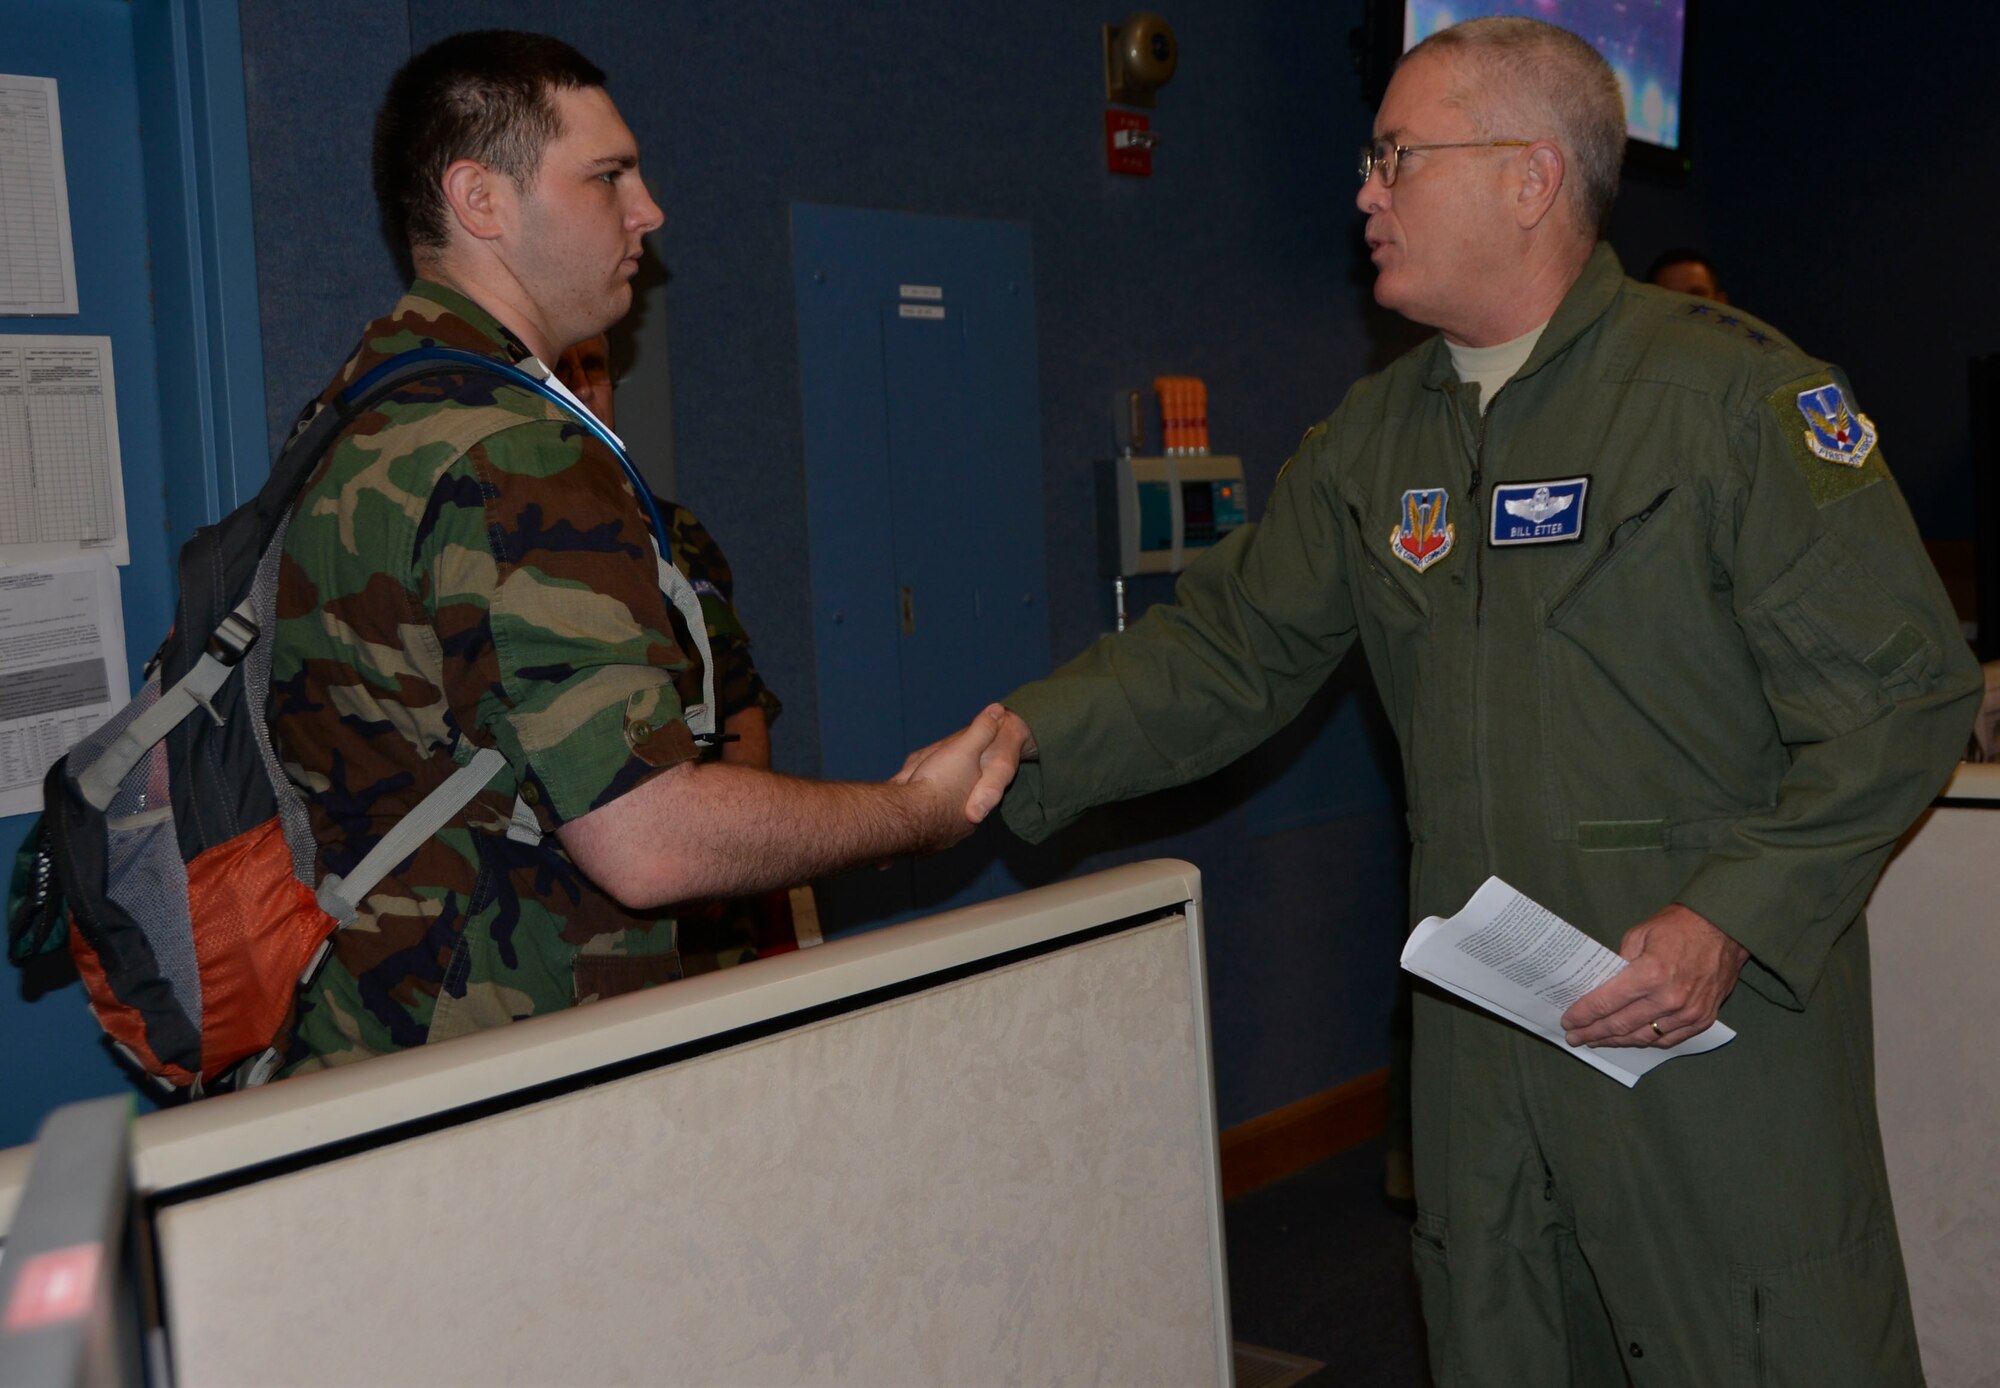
{"x":174,"y":855}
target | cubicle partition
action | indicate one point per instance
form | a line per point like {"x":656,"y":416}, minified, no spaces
{"x":1936,"y":957}
{"x":974,"y":1149}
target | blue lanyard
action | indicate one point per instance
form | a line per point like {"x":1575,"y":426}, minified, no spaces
{"x":492,"y":366}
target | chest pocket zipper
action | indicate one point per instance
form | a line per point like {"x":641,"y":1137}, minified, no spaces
{"x":1374,"y":565}
{"x":1622,"y":535}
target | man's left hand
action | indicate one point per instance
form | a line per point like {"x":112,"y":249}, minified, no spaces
{"x":1681,"y":969}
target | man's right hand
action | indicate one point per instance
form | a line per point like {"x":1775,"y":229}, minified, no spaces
{"x":1011,"y":743}
{"x":955,"y":767}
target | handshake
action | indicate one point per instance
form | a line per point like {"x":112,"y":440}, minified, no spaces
{"x":970,"y":770}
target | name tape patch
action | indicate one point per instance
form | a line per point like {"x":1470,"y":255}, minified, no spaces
{"x":1538,"y":513}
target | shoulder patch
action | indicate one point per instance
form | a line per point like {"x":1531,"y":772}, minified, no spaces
{"x":1310,"y":434}
{"x":1833,"y":443}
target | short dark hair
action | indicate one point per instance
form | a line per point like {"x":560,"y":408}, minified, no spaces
{"x":1679,"y":255}
{"x":483,"y":95}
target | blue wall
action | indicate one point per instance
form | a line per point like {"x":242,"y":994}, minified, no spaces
{"x":159,"y":186}
{"x":87,"y":46}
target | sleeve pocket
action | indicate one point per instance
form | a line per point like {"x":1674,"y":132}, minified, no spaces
{"x":1836,"y":649}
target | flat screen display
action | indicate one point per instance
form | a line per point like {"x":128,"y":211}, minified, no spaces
{"x":1643,"y":40}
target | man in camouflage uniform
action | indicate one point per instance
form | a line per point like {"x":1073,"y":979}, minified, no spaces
{"x":1662,"y":650}
{"x":469,"y":568}
{"x":712,"y":934}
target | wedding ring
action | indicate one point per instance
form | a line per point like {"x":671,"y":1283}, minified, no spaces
{"x":1657,"y":1032}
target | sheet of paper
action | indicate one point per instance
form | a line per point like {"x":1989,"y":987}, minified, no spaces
{"x":1519,"y":960}
{"x":62,"y":489}
{"x":37,"y":263}
{"x":62,"y":668}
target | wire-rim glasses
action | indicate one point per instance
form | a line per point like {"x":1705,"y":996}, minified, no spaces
{"x":1384,"y":156}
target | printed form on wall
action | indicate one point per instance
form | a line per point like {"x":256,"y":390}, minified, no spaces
{"x":62,"y":668}
{"x":37,"y":262}
{"x":62,"y":491}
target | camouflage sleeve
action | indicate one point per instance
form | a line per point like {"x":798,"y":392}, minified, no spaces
{"x":738,"y":686}
{"x":537,"y":567}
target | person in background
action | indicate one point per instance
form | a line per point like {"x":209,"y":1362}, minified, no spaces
{"x":713,"y":934}
{"x":1687,"y":271}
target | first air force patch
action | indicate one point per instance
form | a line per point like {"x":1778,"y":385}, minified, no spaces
{"x":1833,"y":431}
{"x":1424,"y":537}
{"x":1538,"y":513}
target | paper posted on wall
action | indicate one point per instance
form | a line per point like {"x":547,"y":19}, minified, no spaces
{"x":62,"y":488}
{"x":1521,"y":961}
{"x":37,"y":258}
{"x":62,"y":668}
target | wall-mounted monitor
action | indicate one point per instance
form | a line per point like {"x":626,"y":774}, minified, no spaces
{"x":1645,"y":41}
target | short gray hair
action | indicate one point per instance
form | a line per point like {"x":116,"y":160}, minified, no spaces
{"x":1521,"y":69}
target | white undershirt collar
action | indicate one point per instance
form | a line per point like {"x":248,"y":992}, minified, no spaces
{"x":1492,"y":367}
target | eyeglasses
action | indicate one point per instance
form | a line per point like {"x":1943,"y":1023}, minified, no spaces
{"x":1385,"y":156}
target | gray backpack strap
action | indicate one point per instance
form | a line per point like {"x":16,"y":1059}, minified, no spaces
{"x":340,"y":897}
{"x":225,"y":648}
{"x":700,"y":718}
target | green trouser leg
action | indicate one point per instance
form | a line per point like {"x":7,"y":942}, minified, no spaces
{"x":1726,"y":1222}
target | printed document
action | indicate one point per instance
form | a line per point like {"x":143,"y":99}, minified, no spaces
{"x":62,"y":491}
{"x":62,"y":668}
{"x":1520,"y":960}
{"x":37,"y":261}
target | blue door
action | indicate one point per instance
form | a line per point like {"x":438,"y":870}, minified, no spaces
{"x":924,"y":505}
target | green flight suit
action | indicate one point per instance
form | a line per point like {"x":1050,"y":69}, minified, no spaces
{"x":1733,"y":689}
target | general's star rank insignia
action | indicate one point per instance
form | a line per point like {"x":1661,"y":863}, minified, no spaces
{"x":1424,"y":537}
{"x":1833,"y":431}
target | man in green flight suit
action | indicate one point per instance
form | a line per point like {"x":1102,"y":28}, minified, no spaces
{"x":1663,"y":651}
{"x":469,"y":568}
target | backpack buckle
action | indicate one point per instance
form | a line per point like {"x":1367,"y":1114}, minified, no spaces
{"x":232,"y":640}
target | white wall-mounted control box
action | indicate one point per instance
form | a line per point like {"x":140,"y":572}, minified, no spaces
{"x":1157,"y":514}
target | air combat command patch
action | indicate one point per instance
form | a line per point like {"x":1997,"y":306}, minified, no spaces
{"x":1424,"y":537}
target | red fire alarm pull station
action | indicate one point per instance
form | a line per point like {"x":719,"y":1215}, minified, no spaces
{"x":1128,"y":143}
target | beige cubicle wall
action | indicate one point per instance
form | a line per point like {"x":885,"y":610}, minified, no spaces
{"x":1934,"y":932}
{"x":975,"y":1149}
